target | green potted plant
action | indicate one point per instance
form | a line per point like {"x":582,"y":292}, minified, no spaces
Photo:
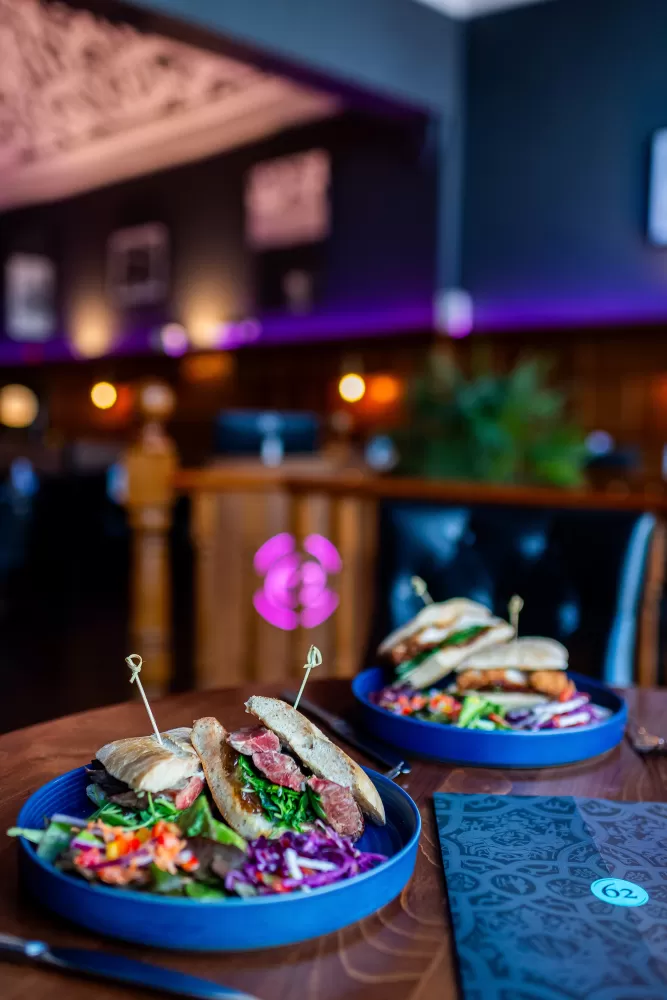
{"x":499,"y":428}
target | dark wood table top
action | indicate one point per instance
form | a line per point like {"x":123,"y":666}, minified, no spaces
{"x":403,"y":952}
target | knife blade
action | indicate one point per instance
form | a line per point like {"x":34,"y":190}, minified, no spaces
{"x":103,"y":965}
{"x":341,"y":727}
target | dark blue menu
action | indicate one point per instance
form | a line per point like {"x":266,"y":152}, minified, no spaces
{"x":527,"y":923}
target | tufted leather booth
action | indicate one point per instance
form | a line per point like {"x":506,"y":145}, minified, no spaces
{"x":581,"y":572}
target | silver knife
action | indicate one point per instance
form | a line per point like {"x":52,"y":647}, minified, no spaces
{"x":341,"y":727}
{"x":102,"y":965}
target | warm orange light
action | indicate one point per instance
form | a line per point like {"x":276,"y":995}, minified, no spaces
{"x":18,"y":406}
{"x":103,"y":395}
{"x":207,"y":367}
{"x":384,"y":390}
{"x":352,"y":388}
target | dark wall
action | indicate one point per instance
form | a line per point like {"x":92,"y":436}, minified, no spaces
{"x":396,"y":48}
{"x":381,"y":248}
{"x":562,"y":100}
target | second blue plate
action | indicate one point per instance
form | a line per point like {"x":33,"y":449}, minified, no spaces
{"x":546,"y":748}
{"x":232,"y":924}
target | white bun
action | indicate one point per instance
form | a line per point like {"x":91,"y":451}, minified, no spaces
{"x":527,"y":653}
{"x":443,"y":615}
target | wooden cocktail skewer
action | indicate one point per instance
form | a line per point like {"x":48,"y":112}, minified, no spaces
{"x":515,"y":608}
{"x":313,"y":659}
{"x":135,"y":668}
{"x":421,"y":590}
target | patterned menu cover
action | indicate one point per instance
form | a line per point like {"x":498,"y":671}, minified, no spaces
{"x":527,"y":923}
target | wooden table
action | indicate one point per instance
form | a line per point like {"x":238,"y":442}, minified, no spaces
{"x":402,"y":952}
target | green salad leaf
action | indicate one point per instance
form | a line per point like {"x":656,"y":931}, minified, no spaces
{"x":34,"y":836}
{"x":206,"y":893}
{"x":282,"y":805}
{"x":198,"y":821}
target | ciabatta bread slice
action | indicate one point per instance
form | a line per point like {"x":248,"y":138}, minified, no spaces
{"x":317,"y":752}
{"x":146,"y":766}
{"x":241,"y":810}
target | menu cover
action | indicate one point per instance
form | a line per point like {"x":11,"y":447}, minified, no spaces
{"x":557,"y":898}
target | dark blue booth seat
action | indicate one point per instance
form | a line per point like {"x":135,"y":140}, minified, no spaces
{"x":580,"y":572}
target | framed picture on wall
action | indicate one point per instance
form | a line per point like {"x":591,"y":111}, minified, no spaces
{"x":138,"y":265}
{"x":287,"y":201}
{"x":30,"y":297}
{"x":657,"y":199}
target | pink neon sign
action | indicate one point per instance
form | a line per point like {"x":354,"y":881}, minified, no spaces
{"x":295,"y":590}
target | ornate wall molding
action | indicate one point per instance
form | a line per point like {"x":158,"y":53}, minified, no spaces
{"x":84,"y":102}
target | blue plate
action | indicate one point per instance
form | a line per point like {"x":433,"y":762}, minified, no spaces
{"x":229,"y":925}
{"x":546,"y":748}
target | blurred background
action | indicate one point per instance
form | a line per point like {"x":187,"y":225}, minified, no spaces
{"x":298,"y":301}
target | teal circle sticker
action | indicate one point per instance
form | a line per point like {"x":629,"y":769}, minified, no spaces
{"x":618,"y":892}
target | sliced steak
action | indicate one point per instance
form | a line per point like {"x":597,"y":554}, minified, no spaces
{"x":279,"y":769}
{"x":184,"y":797}
{"x":253,"y":739}
{"x":340,"y":809}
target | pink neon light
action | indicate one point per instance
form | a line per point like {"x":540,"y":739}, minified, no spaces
{"x":295,"y":590}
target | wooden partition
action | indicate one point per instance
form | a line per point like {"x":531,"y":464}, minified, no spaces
{"x":236,"y":507}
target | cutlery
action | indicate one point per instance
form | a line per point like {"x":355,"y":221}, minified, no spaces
{"x":644,"y":742}
{"x":341,"y":727}
{"x":102,"y":965}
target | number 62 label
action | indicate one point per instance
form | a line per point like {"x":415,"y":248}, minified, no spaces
{"x":618,"y":892}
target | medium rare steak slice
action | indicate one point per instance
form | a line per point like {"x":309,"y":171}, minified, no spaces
{"x":253,"y":739}
{"x":279,"y":769}
{"x":184,"y":797}
{"x":340,"y":809}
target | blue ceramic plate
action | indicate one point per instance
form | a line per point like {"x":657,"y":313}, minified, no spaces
{"x":230,"y":925}
{"x":547,"y":748}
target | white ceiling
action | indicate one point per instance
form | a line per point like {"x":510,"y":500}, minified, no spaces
{"x":471,"y":8}
{"x":84,"y":102}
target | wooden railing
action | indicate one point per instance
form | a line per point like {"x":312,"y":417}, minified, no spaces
{"x":236,"y":507}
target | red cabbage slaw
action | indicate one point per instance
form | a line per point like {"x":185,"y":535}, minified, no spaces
{"x":302,"y":861}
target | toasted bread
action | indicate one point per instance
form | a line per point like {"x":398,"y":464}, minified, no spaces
{"x":317,"y":752}
{"x":146,"y":766}
{"x":243,"y":813}
{"x":529,"y":653}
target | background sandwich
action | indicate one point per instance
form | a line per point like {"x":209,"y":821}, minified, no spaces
{"x":283,"y":774}
{"x":528,"y":671}
{"x":441,"y":637}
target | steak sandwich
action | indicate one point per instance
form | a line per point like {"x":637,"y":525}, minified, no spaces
{"x":128,"y":771}
{"x":520,"y":674}
{"x":283,"y":774}
{"x":439,"y":638}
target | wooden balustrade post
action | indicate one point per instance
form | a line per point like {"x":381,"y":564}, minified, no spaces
{"x":151,"y":465}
